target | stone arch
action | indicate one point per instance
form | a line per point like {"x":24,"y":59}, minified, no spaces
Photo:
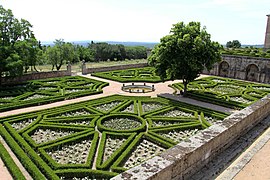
{"x":223,"y":69}
{"x":252,"y":72}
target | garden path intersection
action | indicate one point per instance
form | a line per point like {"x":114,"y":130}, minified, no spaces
{"x":161,"y":89}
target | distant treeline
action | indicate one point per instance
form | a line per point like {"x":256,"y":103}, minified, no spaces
{"x":62,"y":52}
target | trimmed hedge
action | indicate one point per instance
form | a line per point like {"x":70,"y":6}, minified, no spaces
{"x":21,"y":155}
{"x":10,"y":164}
{"x":177,"y":128}
{"x":142,"y":127}
{"x":90,"y":158}
{"x":105,"y":165}
{"x":146,"y":74}
{"x":204,"y":90}
{"x":41,"y":165}
{"x":116,"y":167}
{"x":56,"y":91}
{"x":27,"y":134}
{"x":81,"y":173}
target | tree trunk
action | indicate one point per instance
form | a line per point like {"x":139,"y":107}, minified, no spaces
{"x":185,"y":89}
{"x":35,"y":68}
{"x":0,"y":79}
{"x":185,"y":83}
{"x":58,"y":67}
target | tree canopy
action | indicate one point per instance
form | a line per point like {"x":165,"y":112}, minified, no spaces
{"x":233,"y":44}
{"x":18,"y":45}
{"x":185,"y":53}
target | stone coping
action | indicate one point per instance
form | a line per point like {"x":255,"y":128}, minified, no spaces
{"x":187,"y":157}
{"x":245,"y":57}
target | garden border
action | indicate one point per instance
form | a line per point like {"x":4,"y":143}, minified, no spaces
{"x":182,"y":161}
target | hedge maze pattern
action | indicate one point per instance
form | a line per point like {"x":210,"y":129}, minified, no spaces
{"x":37,"y":92}
{"x":102,"y":137}
{"x":226,"y":92}
{"x":146,"y":74}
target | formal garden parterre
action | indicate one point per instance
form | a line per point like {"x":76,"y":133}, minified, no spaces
{"x":225,"y":92}
{"x":146,"y":74}
{"x":44,"y":91}
{"x":102,"y":137}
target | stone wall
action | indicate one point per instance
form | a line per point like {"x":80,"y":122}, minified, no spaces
{"x":243,"y":67}
{"x":37,"y":75}
{"x":111,"y":68}
{"x":186,"y":158}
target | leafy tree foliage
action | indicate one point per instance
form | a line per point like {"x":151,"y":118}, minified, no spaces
{"x":233,"y":44}
{"x":18,"y":45}
{"x":185,"y":53}
{"x":61,"y":53}
{"x":104,"y":51}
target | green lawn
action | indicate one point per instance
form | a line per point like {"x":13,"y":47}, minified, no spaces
{"x":77,"y":67}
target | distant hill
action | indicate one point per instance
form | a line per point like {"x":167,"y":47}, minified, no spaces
{"x":255,"y":45}
{"x":150,"y":45}
{"x":85,"y":43}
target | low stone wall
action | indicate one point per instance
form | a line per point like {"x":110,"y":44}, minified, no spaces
{"x":186,"y":158}
{"x":111,"y":68}
{"x":37,"y":75}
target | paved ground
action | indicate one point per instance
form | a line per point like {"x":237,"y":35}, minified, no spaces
{"x":4,"y":172}
{"x":248,"y":158}
{"x":197,"y":103}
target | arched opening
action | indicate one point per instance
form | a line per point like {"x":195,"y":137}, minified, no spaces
{"x":224,"y":69}
{"x":252,"y":72}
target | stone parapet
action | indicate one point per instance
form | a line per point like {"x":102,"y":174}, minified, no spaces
{"x":35,"y":76}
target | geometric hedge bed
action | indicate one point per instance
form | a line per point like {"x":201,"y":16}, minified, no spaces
{"x":225,"y":92}
{"x":146,"y":74}
{"x":103,"y":137}
{"x":38,"y":92}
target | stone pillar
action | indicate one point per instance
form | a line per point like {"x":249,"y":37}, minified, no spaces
{"x":267,"y":34}
{"x":69,"y":68}
{"x":83,"y":67}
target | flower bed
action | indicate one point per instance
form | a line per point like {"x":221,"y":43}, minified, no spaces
{"x":146,"y":74}
{"x":47,"y":90}
{"x":100,"y":138}
{"x":226,"y":92}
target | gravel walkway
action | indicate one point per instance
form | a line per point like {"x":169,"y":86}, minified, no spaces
{"x":197,"y":103}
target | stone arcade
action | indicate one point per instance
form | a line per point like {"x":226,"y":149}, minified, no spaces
{"x":243,"y":67}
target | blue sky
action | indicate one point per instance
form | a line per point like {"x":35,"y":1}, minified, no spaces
{"x":141,"y":20}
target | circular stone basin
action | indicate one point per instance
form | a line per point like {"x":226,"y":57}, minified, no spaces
{"x":121,"y":123}
{"x":138,"y":88}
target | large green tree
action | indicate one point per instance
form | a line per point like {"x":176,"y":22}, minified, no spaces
{"x":61,"y":53}
{"x":233,"y":44}
{"x":185,"y":53}
{"x":15,"y":37}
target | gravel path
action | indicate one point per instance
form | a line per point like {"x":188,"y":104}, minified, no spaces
{"x":4,"y":173}
{"x":197,"y":103}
